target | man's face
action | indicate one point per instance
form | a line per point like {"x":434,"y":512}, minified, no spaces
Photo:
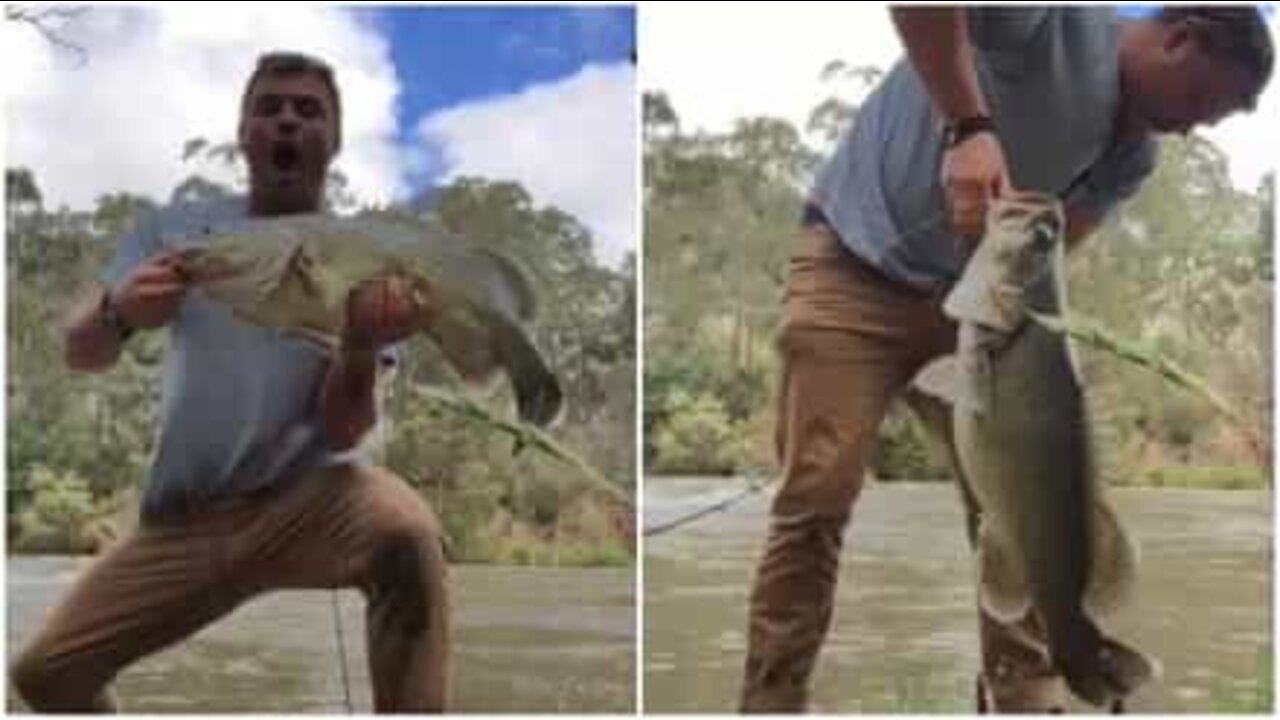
{"x":288,"y":133}
{"x":1185,"y":85}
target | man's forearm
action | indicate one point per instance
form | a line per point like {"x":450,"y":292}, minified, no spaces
{"x":90,"y":344}
{"x":1080,"y":225}
{"x":937,"y":43}
{"x":347,"y":404}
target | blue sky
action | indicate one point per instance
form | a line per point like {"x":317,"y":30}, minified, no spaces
{"x":545,"y":96}
{"x":457,"y":53}
{"x":452,"y":55}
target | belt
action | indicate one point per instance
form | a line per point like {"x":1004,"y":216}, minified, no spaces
{"x":812,"y":215}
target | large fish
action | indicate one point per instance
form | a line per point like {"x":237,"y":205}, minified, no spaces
{"x":1048,"y":542}
{"x":294,"y":273}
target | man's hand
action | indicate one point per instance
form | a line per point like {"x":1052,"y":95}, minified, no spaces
{"x":973,"y":173}
{"x":379,"y":313}
{"x":151,"y":295}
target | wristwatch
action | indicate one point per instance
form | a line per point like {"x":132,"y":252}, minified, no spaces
{"x":110,"y":317}
{"x":957,"y":131}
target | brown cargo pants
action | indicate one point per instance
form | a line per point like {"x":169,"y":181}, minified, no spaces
{"x":850,"y":342}
{"x":350,"y":526}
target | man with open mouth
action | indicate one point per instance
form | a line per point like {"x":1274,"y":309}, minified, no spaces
{"x":260,"y":482}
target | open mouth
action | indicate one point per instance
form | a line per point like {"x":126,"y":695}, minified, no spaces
{"x":285,"y":157}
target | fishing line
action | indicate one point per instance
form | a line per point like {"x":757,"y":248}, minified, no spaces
{"x":342,"y":652}
{"x":718,"y":506}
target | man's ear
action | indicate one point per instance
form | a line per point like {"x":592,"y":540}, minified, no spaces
{"x":1178,"y":39}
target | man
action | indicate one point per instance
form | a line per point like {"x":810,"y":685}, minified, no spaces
{"x":259,"y":482}
{"x":1063,"y":100}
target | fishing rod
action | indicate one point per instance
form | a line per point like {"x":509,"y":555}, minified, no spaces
{"x":753,"y":486}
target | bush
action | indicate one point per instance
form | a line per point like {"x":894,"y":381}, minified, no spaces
{"x":697,"y":438}
{"x":1208,"y":478}
{"x":58,"y":513}
{"x":904,"y":451}
{"x":756,"y":452}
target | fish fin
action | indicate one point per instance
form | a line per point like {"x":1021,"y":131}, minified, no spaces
{"x":1125,"y":668}
{"x":1104,"y":671}
{"x":961,"y":380}
{"x":1002,"y":585}
{"x":940,"y":378}
{"x":1115,"y":563}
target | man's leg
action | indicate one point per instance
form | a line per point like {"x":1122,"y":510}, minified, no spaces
{"x":846,"y":347}
{"x":1017,"y":673}
{"x":155,"y":587}
{"x":362,"y":526}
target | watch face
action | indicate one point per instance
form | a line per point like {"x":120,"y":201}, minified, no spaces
{"x":112,"y":318}
{"x":956,"y":132}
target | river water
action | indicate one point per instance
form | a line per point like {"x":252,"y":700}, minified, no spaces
{"x":527,"y":640}
{"x":904,"y":634}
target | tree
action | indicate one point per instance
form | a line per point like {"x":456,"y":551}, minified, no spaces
{"x":51,"y":22}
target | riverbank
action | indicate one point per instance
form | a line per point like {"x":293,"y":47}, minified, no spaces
{"x":1181,"y":477}
{"x":589,"y":531}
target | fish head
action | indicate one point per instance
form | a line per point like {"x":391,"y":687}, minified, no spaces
{"x":1019,"y":252}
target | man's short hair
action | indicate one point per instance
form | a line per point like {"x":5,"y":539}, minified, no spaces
{"x":296,"y":63}
{"x":1235,"y":33}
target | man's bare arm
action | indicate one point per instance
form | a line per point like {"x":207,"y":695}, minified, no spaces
{"x":148,"y":298}
{"x":973,"y":169}
{"x":378,"y":314}
{"x":348,"y":406}
{"x":91,"y":344}
{"x":1080,"y":225}
{"x":937,"y":43}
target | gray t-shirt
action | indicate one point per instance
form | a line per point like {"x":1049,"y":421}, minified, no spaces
{"x":1051,"y":78}
{"x":239,"y":403}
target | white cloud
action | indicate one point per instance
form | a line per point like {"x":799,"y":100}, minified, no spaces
{"x":157,"y":76}
{"x":761,"y":58}
{"x":764,"y":58}
{"x":571,"y":143}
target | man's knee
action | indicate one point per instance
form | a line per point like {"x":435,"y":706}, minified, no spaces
{"x":45,"y":687}
{"x":30,"y":677}
{"x":407,"y":570}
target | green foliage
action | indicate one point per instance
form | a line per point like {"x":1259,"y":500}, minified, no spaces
{"x":57,"y":514}
{"x":697,"y":438}
{"x":904,"y":451}
{"x":1207,"y":477}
